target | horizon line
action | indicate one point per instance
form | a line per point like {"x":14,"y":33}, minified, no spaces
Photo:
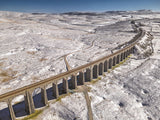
{"x":89,"y":11}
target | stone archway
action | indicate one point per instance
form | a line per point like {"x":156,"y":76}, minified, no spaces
{"x":95,"y":71}
{"x":114,"y":61}
{"x":105,"y":66}
{"x":118,"y":59}
{"x":110,"y":63}
{"x":101,"y":69}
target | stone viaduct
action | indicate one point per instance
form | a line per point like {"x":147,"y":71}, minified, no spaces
{"x":79,"y":75}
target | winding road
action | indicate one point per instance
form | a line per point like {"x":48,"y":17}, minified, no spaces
{"x":68,"y":67}
{"x":84,"y":89}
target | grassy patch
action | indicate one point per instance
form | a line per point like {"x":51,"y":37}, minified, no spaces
{"x":95,"y":80}
{"x":7,"y":75}
{"x":99,"y":78}
{"x":1,"y":63}
{"x":34,"y":78}
{"x":89,"y":88}
{"x":62,"y":96}
{"x":43,"y":59}
{"x":33,"y":116}
{"x":4,"y":74}
{"x":6,"y":79}
{"x":31,"y":52}
{"x":117,"y":65}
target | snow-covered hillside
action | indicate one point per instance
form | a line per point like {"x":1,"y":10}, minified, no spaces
{"x":33,"y":47}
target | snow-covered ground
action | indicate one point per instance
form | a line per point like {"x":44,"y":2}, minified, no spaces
{"x":32,"y":47}
{"x":69,"y":108}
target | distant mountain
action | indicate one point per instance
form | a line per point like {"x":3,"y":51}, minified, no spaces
{"x":143,"y":11}
{"x":115,"y":12}
{"x":38,"y":13}
{"x":83,"y":13}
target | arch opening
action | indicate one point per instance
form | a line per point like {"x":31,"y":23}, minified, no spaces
{"x":101,"y":69}
{"x":95,"y":72}
{"x":114,"y":61}
{"x":127,"y":53}
{"x":121,"y":56}
{"x":80,"y":78}
{"x":37,"y":98}
{"x":118,"y":59}
{"x":19,"y":106}
{"x":49,"y":90}
{"x":4,"y":111}
{"x":73,"y":81}
{"x":61,"y":86}
{"x":110,"y":63}
{"x":105,"y":66}
{"x":124,"y":55}
{"x":87,"y":75}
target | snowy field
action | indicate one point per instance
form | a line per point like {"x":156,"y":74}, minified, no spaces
{"x":33,"y":46}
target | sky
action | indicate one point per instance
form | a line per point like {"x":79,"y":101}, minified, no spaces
{"x":59,"y":6}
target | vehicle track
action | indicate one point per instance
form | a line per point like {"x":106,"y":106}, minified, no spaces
{"x":68,"y":67}
{"x":88,"y":102}
{"x":84,"y":88}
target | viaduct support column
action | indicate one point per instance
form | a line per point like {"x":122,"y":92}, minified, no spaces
{"x":12,"y":114}
{"x":88,"y":74}
{"x":81,"y":78}
{"x":29,"y":104}
{"x":65,"y":85}
{"x":74,"y":81}
{"x":55,"y":90}
{"x":44,"y":95}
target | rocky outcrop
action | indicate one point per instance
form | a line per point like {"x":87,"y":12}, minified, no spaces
{"x":144,"y":47}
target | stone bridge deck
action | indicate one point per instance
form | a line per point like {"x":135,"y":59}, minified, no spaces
{"x":79,"y":75}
